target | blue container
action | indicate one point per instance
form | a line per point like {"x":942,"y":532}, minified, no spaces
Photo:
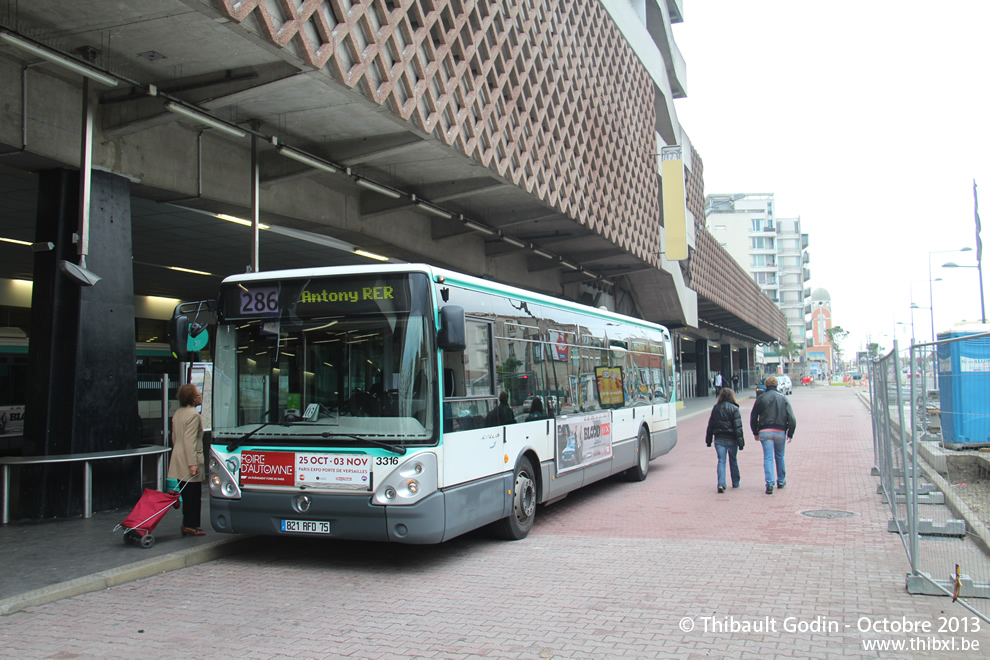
{"x":964,"y":384}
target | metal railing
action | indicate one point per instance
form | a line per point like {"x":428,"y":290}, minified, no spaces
{"x":154,"y":394}
{"x":930,"y":409}
{"x":7,"y":462}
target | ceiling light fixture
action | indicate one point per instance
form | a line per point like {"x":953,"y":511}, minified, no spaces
{"x":370,"y":255}
{"x":189,"y":270}
{"x":320,"y":327}
{"x":203,"y":118}
{"x":513,"y":241}
{"x":306,"y":159}
{"x":568,"y":264}
{"x":58,"y":59}
{"x":380,"y":189}
{"x":239,"y":221}
{"x":544,"y":253}
{"x":15,"y":241}
{"x":433,"y":210}
{"x":471,"y":224}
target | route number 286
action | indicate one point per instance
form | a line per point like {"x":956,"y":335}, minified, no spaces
{"x":260,"y":302}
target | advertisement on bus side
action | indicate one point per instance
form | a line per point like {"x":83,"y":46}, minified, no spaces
{"x":583,"y":440}
{"x":609,"y":381}
{"x":11,"y":420}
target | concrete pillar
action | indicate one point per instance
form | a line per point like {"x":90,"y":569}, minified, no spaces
{"x":704,"y":383}
{"x":745,"y":365}
{"x":726,"y":352}
{"x":82,"y":379}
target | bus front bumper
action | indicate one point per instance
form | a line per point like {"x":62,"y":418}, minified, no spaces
{"x":351,"y":517}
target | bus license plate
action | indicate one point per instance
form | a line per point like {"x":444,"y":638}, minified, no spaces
{"x":306,"y":526}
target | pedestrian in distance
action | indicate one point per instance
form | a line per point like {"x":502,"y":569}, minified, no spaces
{"x":186,"y":463}
{"x":725,"y":429}
{"x":501,"y":414}
{"x":735,"y":382}
{"x":773,"y":423}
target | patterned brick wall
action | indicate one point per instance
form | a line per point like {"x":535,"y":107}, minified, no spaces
{"x":716,"y":276}
{"x":545,"y":93}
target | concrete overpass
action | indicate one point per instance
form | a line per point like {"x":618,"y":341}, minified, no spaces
{"x":512,"y":142}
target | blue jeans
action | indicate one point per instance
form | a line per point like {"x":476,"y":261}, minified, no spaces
{"x":727,"y":448}
{"x":773,"y":451}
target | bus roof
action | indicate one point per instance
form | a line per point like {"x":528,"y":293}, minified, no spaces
{"x":450,"y":277}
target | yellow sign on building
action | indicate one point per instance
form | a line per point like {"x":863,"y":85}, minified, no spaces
{"x":674,"y":211}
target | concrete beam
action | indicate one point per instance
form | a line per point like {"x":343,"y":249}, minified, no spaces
{"x":128,"y":112}
{"x":526,"y":219}
{"x":448,"y":191}
{"x":536,"y":263}
{"x":372,"y":205}
{"x":442,"y":230}
{"x":358,"y":152}
{"x":588,"y":257}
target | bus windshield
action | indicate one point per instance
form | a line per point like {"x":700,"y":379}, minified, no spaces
{"x":326,"y":361}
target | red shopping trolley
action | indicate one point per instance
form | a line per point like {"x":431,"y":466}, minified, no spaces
{"x":146,"y":514}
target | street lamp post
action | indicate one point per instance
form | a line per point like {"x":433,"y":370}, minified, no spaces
{"x":911,"y":325}
{"x":931,"y":299}
{"x":983,"y":312}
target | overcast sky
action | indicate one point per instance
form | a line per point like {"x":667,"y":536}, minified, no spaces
{"x":869,"y":120}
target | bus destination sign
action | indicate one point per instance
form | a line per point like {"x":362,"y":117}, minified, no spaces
{"x":317,"y":297}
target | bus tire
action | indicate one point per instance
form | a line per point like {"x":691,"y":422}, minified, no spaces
{"x":517,"y":524}
{"x":639,"y":471}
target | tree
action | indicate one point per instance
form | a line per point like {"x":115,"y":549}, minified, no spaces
{"x":835,"y":336}
{"x":874,"y":350}
{"x":790,"y":349}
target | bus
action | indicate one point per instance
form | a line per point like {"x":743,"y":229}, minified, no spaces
{"x":370,"y":403}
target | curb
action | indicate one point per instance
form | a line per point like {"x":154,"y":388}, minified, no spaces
{"x":127,"y":573}
{"x":975,"y":528}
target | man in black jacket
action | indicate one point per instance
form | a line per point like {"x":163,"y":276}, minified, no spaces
{"x":773,"y":423}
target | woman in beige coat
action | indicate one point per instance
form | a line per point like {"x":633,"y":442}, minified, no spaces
{"x":186,"y":463}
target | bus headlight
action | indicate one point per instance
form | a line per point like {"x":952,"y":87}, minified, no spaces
{"x":223,"y":475}
{"x":413,"y":480}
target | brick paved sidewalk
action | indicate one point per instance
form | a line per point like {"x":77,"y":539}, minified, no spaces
{"x":667,"y":568}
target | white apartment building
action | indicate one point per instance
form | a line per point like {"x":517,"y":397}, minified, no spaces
{"x":774,"y":252}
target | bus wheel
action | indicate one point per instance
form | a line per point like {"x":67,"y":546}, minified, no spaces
{"x":517,"y":524}
{"x":638,"y":472}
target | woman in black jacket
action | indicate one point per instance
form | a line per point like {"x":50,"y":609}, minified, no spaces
{"x":725,"y":427}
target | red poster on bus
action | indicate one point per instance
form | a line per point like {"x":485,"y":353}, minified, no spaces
{"x":267,"y":468}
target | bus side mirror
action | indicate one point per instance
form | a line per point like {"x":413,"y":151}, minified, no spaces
{"x":178,"y":338}
{"x":452,"y":335}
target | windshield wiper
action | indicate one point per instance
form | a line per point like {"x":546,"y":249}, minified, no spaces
{"x":286,"y":421}
{"x":395,"y":449}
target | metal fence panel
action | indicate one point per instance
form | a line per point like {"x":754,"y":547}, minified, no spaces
{"x":931,"y":418}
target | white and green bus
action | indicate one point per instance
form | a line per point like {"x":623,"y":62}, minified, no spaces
{"x":412,"y":404}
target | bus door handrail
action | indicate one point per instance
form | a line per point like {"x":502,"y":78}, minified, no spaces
{"x":9,"y":461}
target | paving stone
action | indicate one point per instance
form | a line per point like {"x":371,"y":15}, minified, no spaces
{"x":611,"y":571}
